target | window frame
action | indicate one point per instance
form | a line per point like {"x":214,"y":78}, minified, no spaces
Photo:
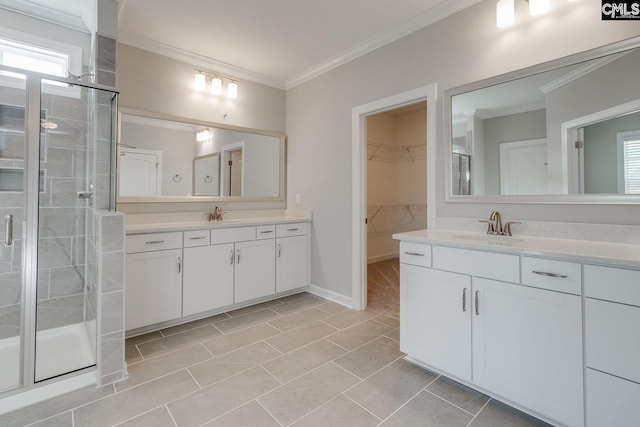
{"x":622,"y":138}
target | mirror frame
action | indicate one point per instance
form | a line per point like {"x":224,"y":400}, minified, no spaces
{"x":576,"y":198}
{"x":200,"y":199}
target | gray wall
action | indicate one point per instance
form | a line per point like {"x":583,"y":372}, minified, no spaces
{"x":463,"y":48}
{"x":514,"y":127}
{"x":601,"y":153}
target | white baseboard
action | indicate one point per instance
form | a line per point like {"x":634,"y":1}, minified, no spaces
{"x":384,"y":257}
{"x":330,"y":295}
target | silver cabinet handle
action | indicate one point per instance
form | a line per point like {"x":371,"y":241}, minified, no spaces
{"x":413,"y":253}
{"x":292,"y":229}
{"x":477,"y":303}
{"x":266,"y":232}
{"x":179,"y":264}
{"x":464,"y":300}
{"x":198,"y":238}
{"x":231,"y":257}
{"x":279,"y":250}
{"x":238,"y":256}
{"x":8,"y":230}
{"x":545,"y":274}
{"x":154,"y":242}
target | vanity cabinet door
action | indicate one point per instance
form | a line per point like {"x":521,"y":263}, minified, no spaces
{"x":527,"y":348}
{"x":292,"y":258}
{"x":208,"y":278}
{"x":435,"y":324}
{"x":255,"y":272}
{"x":154,"y":287}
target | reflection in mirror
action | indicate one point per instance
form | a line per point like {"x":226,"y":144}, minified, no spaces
{"x":568,"y":130}
{"x":166,"y":158}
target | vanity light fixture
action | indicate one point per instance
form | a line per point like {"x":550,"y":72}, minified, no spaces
{"x":232,"y":90}
{"x":504,"y":13}
{"x":214,"y":83}
{"x":505,"y":10}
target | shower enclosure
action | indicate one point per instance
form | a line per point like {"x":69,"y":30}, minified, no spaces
{"x":57,"y":142}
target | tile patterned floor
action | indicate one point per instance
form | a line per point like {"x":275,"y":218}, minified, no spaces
{"x":299,"y":360}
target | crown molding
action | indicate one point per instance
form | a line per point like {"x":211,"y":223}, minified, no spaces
{"x":582,"y":71}
{"x":79,"y":22}
{"x":201,"y":61}
{"x":435,"y":14}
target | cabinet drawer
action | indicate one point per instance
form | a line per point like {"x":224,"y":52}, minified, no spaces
{"x":611,"y":401}
{"x":265,"y":232}
{"x":490,"y":265}
{"x":196,"y":238}
{"x":293,"y":229}
{"x":550,"y":274}
{"x":612,"y":343}
{"x":613,"y":284}
{"x":230,"y":235}
{"x":415,"y":254}
{"x":153,"y":242}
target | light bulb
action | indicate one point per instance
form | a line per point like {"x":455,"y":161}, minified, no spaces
{"x":203,"y":135}
{"x":232,"y":90}
{"x":504,"y":13}
{"x":216,"y":86}
{"x":538,"y":7}
{"x":199,"y":82}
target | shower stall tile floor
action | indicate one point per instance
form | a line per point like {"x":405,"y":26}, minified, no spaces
{"x":300,"y":360}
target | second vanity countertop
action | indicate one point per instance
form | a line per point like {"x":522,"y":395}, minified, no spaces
{"x":157,"y":223}
{"x":614,"y":254}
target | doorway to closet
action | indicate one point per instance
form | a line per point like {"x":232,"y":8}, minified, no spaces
{"x":396,"y":193}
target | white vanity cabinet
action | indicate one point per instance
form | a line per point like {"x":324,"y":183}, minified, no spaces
{"x":612,"y":346}
{"x":469,"y":315}
{"x":153,"y":275}
{"x":207,"y":280}
{"x":172,"y":276}
{"x":292,"y":256}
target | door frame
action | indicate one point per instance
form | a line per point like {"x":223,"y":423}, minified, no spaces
{"x":359,"y":177}
{"x":224,"y":168}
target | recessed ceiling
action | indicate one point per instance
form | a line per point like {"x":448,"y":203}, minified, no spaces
{"x":280,"y":42}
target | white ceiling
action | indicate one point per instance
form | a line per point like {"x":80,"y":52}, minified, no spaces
{"x":277,"y":42}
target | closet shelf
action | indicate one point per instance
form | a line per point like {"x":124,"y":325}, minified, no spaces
{"x":395,"y":218}
{"x":392,"y":154}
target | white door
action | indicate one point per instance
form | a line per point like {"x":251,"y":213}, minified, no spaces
{"x":527,"y":348}
{"x":435,"y":324}
{"x":523,"y":167}
{"x":154,"y":288}
{"x":255,"y":273}
{"x":291,"y":263}
{"x":140,"y":173}
{"x":208,"y":278}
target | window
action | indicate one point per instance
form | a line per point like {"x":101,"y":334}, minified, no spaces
{"x":629,"y":162}
{"x":33,"y":53}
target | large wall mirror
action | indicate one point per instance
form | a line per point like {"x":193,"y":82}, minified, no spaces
{"x":566,"y":131}
{"x":165,"y":159}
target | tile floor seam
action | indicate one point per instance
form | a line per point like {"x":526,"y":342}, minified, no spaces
{"x":245,"y":346}
{"x":274,"y":326}
{"x":75,"y":408}
{"x":350,"y":326}
{"x":48,"y":418}
{"x":406,"y":402}
{"x":281,"y":353}
{"x":269,"y":412}
{"x":360,"y":405}
{"x":194,"y":378}
{"x":450,"y":403}
{"x":328,"y":337}
{"x":370,"y":375}
{"x":481,"y":409}
{"x":201,"y":343}
{"x":137,"y":415}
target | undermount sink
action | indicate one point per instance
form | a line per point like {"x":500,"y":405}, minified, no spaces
{"x":489,"y":238}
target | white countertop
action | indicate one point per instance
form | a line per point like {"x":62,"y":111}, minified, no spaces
{"x":615,"y":254}
{"x":156,"y":223}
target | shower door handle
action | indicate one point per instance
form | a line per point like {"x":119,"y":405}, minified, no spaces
{"x":8,"y":230}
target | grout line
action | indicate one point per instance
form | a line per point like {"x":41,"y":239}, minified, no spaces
{"x":404,"y":404}
{"x":267,"y":343}
{"x":213,"y":356}
{"x":269,"y":412}
{"x":481,"y":409}
{"x":194,"y":378}
{"x":347,"y":397}
{"x":175,"y":423}
{"x":137,"y":415}
{"x":450,"y":403}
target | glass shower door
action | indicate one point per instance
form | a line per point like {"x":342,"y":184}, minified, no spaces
{"x":13,"y":102}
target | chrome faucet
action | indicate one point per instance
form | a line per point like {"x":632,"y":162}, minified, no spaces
{"x":494,"y":224}
{"x":216,"y":215}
